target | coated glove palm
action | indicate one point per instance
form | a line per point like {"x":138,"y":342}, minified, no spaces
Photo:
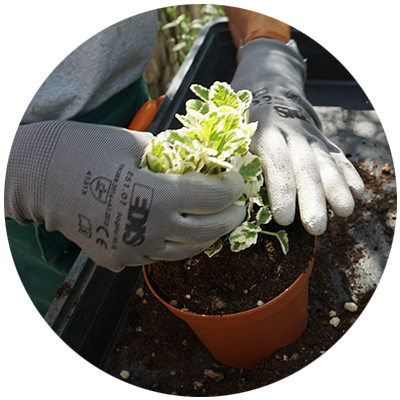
{"x":296,"y":156}
{"x":87,"y":184}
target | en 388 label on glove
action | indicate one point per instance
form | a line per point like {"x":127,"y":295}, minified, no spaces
{"x":126,"y":209}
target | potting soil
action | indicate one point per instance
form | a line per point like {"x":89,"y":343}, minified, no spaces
{"x":162,"y":354}
{"x":232,"y":282}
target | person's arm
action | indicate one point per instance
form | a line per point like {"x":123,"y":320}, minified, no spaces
{"x":301,"y":166}
{"x":84,"y":181}
{"x":247,"y":25}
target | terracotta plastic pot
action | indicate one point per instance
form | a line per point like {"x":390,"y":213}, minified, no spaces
{"x":243,"y":339}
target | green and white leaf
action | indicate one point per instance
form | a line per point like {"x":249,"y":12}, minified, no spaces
{"x":263,"y":216}
{"x":249,"y":166}
{"x":262,"y":197}
{"x":244,"y":236}
{"x":241,"y":201}
{"x":214,"y":248}
{"x":246,"y":98}
{"x":283,"y":240}
{"x":221,"y":95}
{"x":200,"y":91}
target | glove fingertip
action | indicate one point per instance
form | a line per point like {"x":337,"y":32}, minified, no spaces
{"x":315,"y":227}
{"x":234,"y":179}
{"x":239,"y":215}
{"x":283,"y":218}
{"x":285,"y":211}
{"x":358,"y":190}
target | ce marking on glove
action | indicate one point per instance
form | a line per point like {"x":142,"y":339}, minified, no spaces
{"x":102,"y":234}
{"x":85,"y":229}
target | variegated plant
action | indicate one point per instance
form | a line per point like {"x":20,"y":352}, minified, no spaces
{"x":215,"y":137}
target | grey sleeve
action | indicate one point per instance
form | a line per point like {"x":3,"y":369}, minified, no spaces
{"x":99,"y":68}
{"x":26,"y":172}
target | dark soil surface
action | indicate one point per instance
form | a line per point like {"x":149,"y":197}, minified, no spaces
{"x":235,"y":281}
{"x":158,"y":351}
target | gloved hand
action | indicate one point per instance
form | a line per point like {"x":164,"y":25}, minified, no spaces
{"x":87,"y":185}
{"x":296,"y":156}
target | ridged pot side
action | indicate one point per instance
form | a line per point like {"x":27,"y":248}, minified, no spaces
{"x":243,"y":339}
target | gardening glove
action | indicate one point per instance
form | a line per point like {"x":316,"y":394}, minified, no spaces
{"x":84,"y":180}
{"x":295,"y":155}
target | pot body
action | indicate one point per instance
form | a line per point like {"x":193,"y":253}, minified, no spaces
{"x":244,"y":339}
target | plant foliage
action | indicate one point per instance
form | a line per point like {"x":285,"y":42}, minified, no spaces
{"x":215,"y":137}
{"x":185,"y":29}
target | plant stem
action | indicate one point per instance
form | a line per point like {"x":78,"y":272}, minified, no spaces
{"x":270,"y":233}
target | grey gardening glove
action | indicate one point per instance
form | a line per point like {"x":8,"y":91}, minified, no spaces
{"x":296,"y":156}
{"x":83,"y":180}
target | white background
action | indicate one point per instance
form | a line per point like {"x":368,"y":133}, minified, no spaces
{"x":36,"y":36}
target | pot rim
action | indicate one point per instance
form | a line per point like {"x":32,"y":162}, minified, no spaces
{"x":303,"y":276}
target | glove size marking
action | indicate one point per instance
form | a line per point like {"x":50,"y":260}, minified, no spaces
{"x":138,"y":212}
